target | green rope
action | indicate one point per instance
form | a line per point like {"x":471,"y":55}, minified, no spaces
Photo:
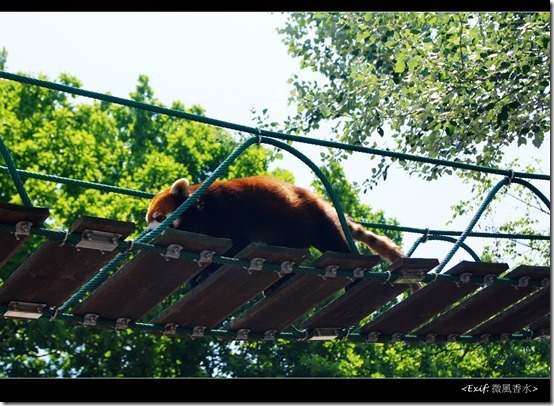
{"x":472,"y":223}
{"x":424,"y":238}
{"x":330,"y":190}
{"x":13,"y":173}
{"x":91,"y":185}
{"x":454,"y":233}
{"x":258,"y":132}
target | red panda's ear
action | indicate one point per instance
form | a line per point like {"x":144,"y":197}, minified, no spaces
{"x":180,"y":188}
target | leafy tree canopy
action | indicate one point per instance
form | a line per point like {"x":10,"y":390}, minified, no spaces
{"x":456,"y":86}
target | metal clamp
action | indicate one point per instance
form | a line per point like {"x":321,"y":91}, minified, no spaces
{"x":505,"y":337}
{"x":286,"y":268}
{"x":523,"y":282}
{"x":545,"y":282}
{"x":198,"y":331}
{"x":484,"y":338}
{"x":358,"y":273}
{"x":170,"y":329}
{"x":173,"y":251}
{"x":242,"y":334}
{"x":122,"y":324}
{"x":256,"y":264}
{"x":90,"y":319}
{"x":373,"y":337}
{"x":24,"y":310}
{"x":409,"y":276}
{"x":430,"y":338}
{"x":206,"y":258}
{"x":331,"y":271}
{"x":465,"y":277}
{"x":452,"y":338}
{"x":270,"y":335}
{"x":488,"y":279}
{"x":98,"y":240}
{"x":396,"y":337}
{"x":22,"y":228}
{"x":324,"y":334}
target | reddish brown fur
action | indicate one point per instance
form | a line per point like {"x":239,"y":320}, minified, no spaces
{"x":264,"y":209}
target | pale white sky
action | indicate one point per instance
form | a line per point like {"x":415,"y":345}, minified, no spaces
{"x":228,"y":63}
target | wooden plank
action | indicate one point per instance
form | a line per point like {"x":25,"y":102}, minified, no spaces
{"x":149,"y":277}
{"x":12,"y":214}
{"x":53,"y":273}
{"x":484,"y":304}
{"x":228,"y":288}
{"x":299,"y":294}
{"x":429,"y":300}
{"x":363,"y":297}
{"x":518,"y":316}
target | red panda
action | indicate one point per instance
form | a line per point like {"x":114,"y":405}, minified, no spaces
{"x":264,"y":209}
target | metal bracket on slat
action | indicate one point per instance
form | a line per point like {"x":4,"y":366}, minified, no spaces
{"x":198,"y":331}
{"x":430,"y":338}
{"x":396,"y":337}
{"x":122,"y":324}
{"x":373,"y":337}
{"x":452,"y":338}
{"x":24,"y":310}
{"x":90,"y":319}
{"x":358,"y":273}
{"x":505,"y":337}
{"x":488,"y":280}
{"x":465,"y":277}
{"x":269,"y":335}
{"x":22,"y":228}
{"x":242,"y":334}
{"x":173,"y":251}
{"x":331,"y":271}
{"x":324,"y":334}
{"x":98,"y":240}
{"x":170,"y":329}
{"x":484,"y":338}
{"x":286,"y":268}
{"x":545,"y":282}
{"x":256,"y":264}
{"x":206,"y":258}
{"x":523,"y":282}
{"x":409,"y":276}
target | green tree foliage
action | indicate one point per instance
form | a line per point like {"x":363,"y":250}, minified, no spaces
{"x":457,"y":86}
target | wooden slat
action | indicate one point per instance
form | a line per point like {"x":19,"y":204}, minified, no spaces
{"x":53,"y":273}
{"x":299,"y":294}
{"x":484,"y":304}
{"x":518,"y":316}
{"x":429,"y":300}
{"x":363,"y":297}
{"x":228,"y":288}
{"x":12,"y":214}
{"x":149,"y":277}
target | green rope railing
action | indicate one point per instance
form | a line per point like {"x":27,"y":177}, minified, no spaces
{"x":14,"y":175}
{"x":147,"y":195}
{"x":425,"y":238}
{"x":257,"y":131}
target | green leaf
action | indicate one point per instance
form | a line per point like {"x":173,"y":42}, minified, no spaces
{"x":399,"y":66}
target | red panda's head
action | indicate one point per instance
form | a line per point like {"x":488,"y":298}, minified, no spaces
{"x":166,"y":202}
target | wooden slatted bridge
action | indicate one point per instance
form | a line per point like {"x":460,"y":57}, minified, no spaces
{"x":153,"y":293}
